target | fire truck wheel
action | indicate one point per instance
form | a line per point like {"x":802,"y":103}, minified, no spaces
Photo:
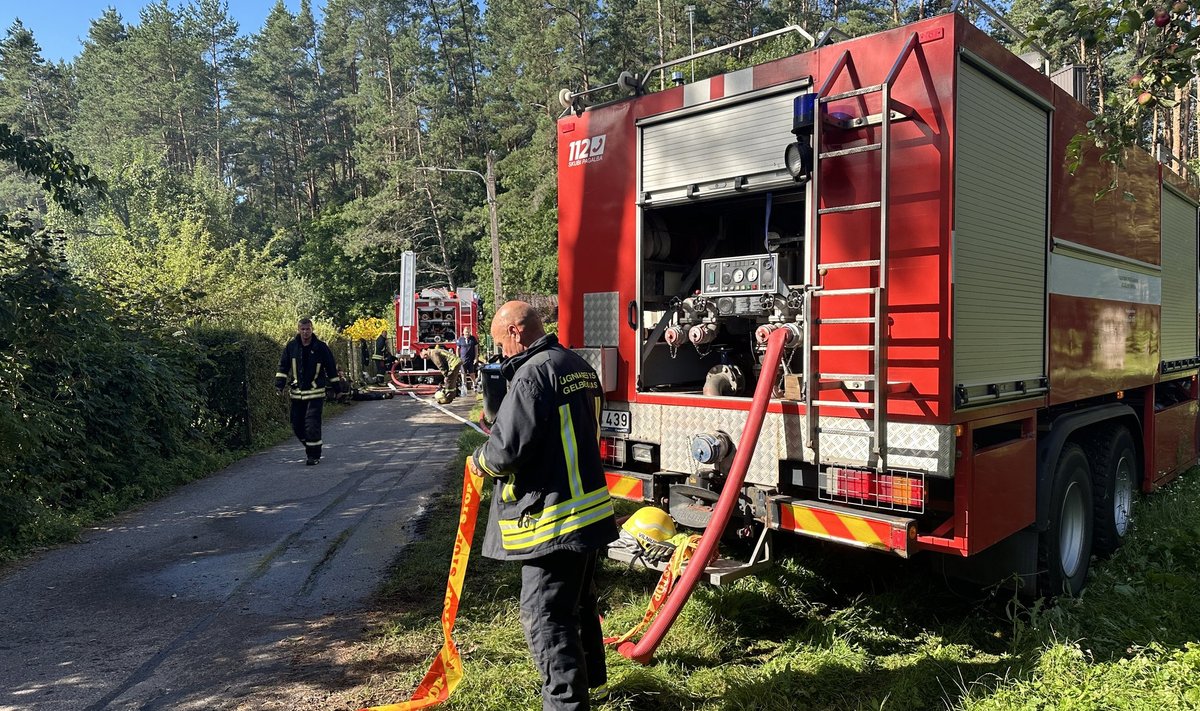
{"x":1115,"y":477}
{"x":1065,"y":547}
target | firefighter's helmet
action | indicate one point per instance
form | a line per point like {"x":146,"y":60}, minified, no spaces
{"x":650,"y":530}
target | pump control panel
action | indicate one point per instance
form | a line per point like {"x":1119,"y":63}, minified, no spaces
{"x":740,"y":276}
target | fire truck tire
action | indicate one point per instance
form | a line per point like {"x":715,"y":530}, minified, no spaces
{"x":1115,"y":478}
{"x":1065,"y":547}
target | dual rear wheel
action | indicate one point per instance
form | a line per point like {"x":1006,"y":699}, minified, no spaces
{"x":1091,"y":507}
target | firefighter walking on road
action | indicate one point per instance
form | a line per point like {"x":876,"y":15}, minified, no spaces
{"x":550,"y":506}
{"x":306,"y":368}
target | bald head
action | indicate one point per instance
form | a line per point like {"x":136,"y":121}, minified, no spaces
{"x":516,"y":326}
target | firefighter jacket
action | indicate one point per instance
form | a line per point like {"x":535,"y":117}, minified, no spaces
{"x":544,"y":455}
{"x":443,"y":360}
{"x":306,"y":370}
{"x":381,"y":348}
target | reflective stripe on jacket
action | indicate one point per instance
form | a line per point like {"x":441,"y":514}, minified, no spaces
{"x":544,"y":454}
{"x":306,"y":370}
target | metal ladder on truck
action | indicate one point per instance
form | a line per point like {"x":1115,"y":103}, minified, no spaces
{"x":874,"y":382}
{"x":466,"y":313}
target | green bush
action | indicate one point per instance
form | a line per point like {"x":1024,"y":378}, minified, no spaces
{"x":137,"y":364}
{"x":94,"y":403}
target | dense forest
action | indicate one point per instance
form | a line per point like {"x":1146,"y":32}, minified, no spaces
{"x":240,"y":177}
{"x":298,"y":154}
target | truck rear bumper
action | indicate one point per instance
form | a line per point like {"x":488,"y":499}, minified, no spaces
{"x":844,"y":524}
{"x":631,"y":486}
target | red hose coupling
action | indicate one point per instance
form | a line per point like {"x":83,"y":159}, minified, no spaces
{"x":702,"y":333}
{"x":794,"y":337}
{"x":673,"y":336}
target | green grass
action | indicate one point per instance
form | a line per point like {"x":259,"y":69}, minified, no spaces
{"x":832,"y":628}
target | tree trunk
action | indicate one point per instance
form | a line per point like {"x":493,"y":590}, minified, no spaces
{"x":444,"y":267}
{"x":1177,"y":124}
{"x":662,"y":49}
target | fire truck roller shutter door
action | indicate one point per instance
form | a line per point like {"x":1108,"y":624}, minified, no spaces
{"x":1177,"y":340}
{"x":1001,"y":178}
{"x":696,"y":148}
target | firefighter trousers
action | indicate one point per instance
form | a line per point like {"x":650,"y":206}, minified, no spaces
{"x":562,"y":627}
{"x":306,"y":424}
{"x":450,"y":380}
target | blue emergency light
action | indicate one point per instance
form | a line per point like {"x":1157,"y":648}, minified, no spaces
{"x":797,"y":157}
{"x":804,"y":112}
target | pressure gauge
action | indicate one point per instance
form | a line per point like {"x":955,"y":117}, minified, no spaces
{"x":752,"y":274}
{"x":737,"y":276}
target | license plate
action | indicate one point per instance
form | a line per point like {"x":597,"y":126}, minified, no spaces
{"x":615,"y":421}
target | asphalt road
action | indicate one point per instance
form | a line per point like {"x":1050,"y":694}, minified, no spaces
{"x":202,"y":599}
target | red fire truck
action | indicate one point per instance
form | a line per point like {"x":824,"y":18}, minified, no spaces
{"x":435,"y":316}
{"x":872,"y":264}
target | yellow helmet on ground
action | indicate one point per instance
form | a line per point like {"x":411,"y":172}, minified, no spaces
{"x":650,"y":528}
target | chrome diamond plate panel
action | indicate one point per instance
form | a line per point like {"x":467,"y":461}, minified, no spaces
{"x":926,"y":448}
{"x":591,"y":356}
{"x":672,"y":428}
{"x":680,"y":423}
{"x":601,"y":319}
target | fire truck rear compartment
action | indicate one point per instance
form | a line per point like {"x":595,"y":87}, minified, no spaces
{"x":724,"y":359}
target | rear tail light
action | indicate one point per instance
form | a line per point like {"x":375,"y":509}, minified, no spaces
{"x":894,"y":490}
{"x":612,"y":451}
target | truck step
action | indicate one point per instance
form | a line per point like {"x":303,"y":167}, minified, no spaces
{"x":851,"y":151}
{"x":862,"y":347}
{"x":862,"y":319}
{"x":845,"y":405}
{"x":835,"y":380}
{"x":849,"y":382}
{"x":849,"y":265}
{"x":852,"y":93}
{"x":869,"y":120}
{"x":846,"y":292}
{"x":846,"y":433}
{"x":722,"y":571}
{"x":850,"y":208}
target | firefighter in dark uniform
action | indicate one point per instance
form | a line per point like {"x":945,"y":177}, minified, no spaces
{"x":383,"y":355}
{"x":306,"y":368}
{"x":550,"y":506}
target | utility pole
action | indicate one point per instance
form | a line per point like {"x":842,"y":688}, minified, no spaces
{"x":691,"y":13}
{"x":497,"y":291}
{"x":489,"y":182}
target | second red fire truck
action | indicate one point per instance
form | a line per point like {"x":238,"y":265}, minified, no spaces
{"x":427,"y":318}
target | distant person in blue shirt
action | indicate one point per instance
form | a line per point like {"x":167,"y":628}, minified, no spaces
{"x":468,"y":350}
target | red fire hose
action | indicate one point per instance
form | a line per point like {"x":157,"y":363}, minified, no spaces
{"x":407,"y":388}
{"x":644,"y":649}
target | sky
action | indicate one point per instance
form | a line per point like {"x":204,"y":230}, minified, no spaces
{"x":59,"y":25}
